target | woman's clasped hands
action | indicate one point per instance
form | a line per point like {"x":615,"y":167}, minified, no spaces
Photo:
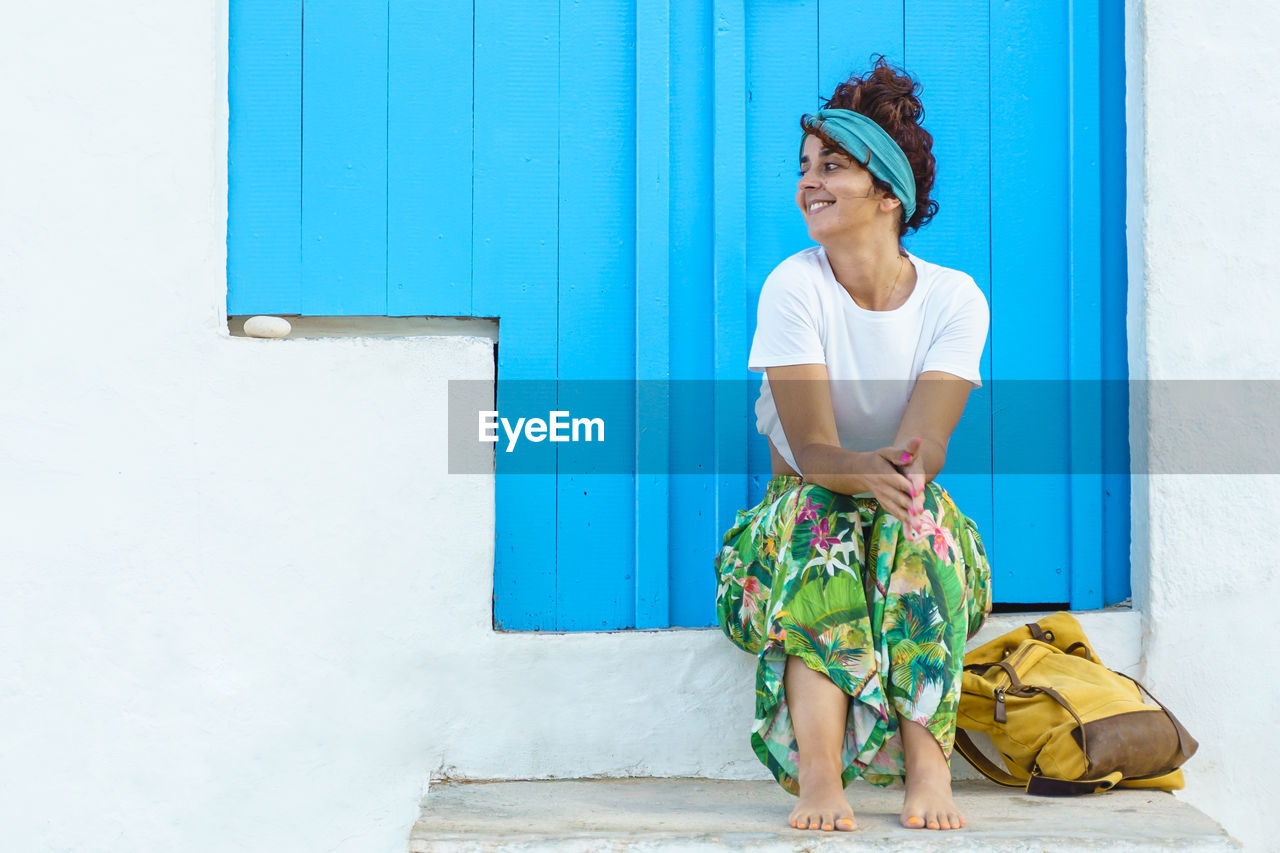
{"x":896,"y":478}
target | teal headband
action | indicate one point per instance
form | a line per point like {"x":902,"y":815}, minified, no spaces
{"x":866,"y":140}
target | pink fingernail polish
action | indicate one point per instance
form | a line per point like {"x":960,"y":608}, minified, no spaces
{"x":906,"y":457}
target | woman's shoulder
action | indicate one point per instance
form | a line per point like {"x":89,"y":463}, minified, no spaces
{"x":799,"y":276}
{"x":806,"y":264}
{"x":948,"y":285}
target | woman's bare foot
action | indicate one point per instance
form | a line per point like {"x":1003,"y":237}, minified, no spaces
{"x":818,"y":712}
{"x":928,"y":802}
{"x":822,"y":804}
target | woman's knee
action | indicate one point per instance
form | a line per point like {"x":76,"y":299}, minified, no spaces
{"x":935,"y":497}
{"x":813,"y":500}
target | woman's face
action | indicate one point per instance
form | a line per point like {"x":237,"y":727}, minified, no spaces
{"x":835,"y":192}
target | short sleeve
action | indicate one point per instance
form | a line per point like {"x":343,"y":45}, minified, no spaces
{"x":957,"y":347}
{"x":787,"y":321}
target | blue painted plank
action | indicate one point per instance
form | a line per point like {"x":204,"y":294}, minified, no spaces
{"x":515,"y":261}
{"x":1029,"y":274}
{"x":653,"y":583}
{"x":695,"y":531}
{"x":597,"y":306}
{"x":946,"y":50}
{"x":429,"y":158}
{"x":264,"y":158}
{"x":344,"y":158}
{"x":850,"y":31}
{"x":782,"y":71}
{"x":1086,"y":310}
{"x":1115,"y":366}
{"x":731,"y":403}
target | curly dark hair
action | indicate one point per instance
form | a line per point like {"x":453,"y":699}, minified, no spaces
{"x":890,"y":97}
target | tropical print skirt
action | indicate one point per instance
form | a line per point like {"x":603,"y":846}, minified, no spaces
{"x":836,"y":581}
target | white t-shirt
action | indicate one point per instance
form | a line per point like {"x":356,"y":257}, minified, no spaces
{"x":806,"y":317}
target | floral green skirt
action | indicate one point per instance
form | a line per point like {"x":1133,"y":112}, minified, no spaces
{"x":836,"y":581}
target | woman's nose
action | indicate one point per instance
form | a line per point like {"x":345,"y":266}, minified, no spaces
{"x":808,"y":179}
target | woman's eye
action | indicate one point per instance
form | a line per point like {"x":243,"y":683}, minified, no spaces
{"x":826,"y":167}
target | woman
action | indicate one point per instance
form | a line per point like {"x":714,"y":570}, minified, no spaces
{"x":856,"y":580}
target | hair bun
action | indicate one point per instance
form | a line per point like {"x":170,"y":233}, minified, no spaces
{"x":887,"y":95}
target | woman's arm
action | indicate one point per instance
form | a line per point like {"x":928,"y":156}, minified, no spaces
{"x":937,"y":401}
{"x":802,"y":396}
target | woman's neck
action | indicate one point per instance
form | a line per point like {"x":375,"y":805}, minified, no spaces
{"x":872,"y":272}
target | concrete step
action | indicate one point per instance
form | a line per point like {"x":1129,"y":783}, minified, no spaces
{"x":695,"y":814}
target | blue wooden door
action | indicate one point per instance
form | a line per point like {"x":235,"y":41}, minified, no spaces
{"x":614,"y":180}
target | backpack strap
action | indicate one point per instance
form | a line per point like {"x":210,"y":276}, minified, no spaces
{"x":967,"y":748}
{"x":1043,"y":786}
{"x":1039,"y":633}
{"x":1071,"y":650}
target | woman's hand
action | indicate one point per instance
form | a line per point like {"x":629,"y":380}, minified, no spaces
{"x":902,"y":491}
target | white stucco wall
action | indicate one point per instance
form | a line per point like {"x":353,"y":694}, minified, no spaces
{"x":232,"y":615}
{"x":1206,"y":238}
{"x":244,"y":606}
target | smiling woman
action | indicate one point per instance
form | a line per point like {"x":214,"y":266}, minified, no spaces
{"x":856,"y":580}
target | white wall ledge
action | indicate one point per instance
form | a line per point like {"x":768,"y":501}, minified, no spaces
{"x":373,"y":326}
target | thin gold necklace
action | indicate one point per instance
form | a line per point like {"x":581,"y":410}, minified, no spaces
{"x":888,"y":299}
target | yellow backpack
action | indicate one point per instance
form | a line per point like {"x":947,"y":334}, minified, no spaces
{"x":1064,"y":723}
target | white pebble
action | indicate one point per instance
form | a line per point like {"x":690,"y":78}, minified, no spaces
{"x":266,"y":326}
